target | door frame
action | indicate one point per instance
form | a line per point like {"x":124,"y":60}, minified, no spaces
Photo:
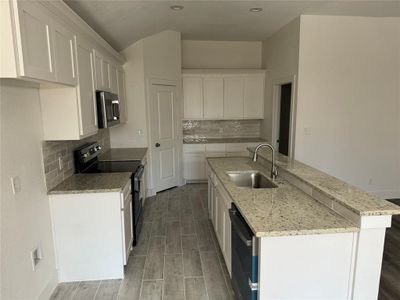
{"x":276,"y":108}
{"x":151,"y":189}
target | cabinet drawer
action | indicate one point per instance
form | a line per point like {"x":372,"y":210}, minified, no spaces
{"x":194,"y":148}
{"x":215,"y":147}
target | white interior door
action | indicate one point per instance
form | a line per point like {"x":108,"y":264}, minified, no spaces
{"x":164,"y":138}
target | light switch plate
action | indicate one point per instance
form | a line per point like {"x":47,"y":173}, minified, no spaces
{"x":16,"y":184}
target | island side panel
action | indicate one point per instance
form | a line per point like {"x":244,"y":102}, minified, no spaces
{"x":306,"y":266}
{"x":87,"y":236}
{"x":368,"y":259}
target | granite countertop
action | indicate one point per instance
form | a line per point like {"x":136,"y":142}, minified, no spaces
{"x":355,"y":199}
{"x":281,"y":211}
{"x":123,"y":154}
{"x":92,"y":183}
{"x":205,"y":140}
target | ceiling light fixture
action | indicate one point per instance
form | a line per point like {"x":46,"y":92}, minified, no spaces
{"x":176,"y":7}
{"x":255,"y":9}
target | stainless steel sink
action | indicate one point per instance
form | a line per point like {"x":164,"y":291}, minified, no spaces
{"x":251,"y":179}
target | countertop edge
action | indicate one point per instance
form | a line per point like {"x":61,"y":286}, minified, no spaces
{"x":260,"y":234}
{"x":377,"y":212}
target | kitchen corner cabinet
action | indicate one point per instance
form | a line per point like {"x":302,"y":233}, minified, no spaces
{"x":223,"y":94}
{"x":70,"y":113}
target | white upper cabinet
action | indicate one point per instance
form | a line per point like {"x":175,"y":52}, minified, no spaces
{"x":86,"y":93}
{"x":64,"y":55}
{"x":254,"y":97}
{"x":112,"y":75}
{"x":122,"y":95}
{"x":193,"y":97}
{"x":98,"y":70}
{"x":233,"y":97}
{"x":106,"y":76}
{"x":223,"y":94}
{"x":35,"y":41}
{"x":213,"y":89}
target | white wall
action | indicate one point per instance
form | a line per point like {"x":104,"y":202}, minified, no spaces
{"x":280,"y":56}
{"x":221,"y":54}
{"x":127,"y":135}
{"x":25,"y":217}
{"x":159,"y":57}
{"x":348,"y":111}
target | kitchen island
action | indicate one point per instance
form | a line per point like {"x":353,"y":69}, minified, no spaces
{"x":313,"y":241}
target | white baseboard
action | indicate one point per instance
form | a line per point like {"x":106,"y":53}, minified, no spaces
{"x":49,"y":288}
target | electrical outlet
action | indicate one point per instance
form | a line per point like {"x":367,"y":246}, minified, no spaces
{"x":36,"y":257}
{"x":307,"y":131}
{"x":221,"y":130}
{"x":60,"y":163}
{"x":370,"y":181}
{"x":141,"y":132}
{"x":16,"y":184}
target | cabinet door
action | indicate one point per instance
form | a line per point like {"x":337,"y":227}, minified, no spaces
{"x":210,"y":198}
{"x":36,"y":43}
{"x":194,"y":166}
{"x":106,"y":75}
{"x":215,"y":209}
{"x":254,"y":97}
{"x":112,"y":73}
{"x":86,"y":96}
{"x":213,"y":90}
{"x":227,"y":239}
{"x":237,"y":149}
{"x":127,"y":227}
{"x":122,"y":96}
{"x":64,"y":55}
{"x":220,"y":220}
{"x":192,"y":98}
{"x":233,"y":97}
{"x":98,"y":72}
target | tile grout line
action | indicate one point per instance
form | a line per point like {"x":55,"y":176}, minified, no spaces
{"x":97,"y":290}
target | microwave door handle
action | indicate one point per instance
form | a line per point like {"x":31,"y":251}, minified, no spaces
{"x":103,"y":110}
{"x":113,"y":103}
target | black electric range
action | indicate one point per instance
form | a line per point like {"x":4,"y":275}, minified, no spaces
{"x":86,"y":159}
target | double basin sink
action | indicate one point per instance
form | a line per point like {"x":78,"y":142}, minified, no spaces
{"x":251,"y":179}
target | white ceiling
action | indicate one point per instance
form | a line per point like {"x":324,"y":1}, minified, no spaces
{"x":123,"y":22}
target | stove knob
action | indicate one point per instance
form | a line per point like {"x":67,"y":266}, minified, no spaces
{"x":84,"y":155}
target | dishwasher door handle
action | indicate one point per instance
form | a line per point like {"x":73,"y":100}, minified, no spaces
{"x":239,"y":227}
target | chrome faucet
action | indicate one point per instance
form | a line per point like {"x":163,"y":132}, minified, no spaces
{"x":274,"y":171}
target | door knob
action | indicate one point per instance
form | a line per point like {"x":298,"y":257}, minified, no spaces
{"x":158,"y":145}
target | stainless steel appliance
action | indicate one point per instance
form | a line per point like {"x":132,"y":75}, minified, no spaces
{"x":107,"y":109}
{"x":244,"y":257}
{"x":87,"y":161}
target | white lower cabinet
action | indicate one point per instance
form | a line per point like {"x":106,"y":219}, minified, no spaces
{"x":194,"y":157}
{"x":219,"y":204}
{"x":92,"y":234}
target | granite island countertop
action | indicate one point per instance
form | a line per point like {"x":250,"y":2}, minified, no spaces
{"x":227,"y":140}
{"x":281,"y":211}
{"x":92,"y":183}
{"x":351,"y":197}
{"x":123,"y":154}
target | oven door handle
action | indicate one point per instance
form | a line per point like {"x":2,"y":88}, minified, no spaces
{"x":239,"y":228}
{"x":139,"y":173}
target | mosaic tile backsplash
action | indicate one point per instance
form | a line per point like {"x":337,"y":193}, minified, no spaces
{"x":52,"y":150}
{"x":221,"y":128}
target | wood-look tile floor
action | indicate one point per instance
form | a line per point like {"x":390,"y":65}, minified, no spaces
{"x":177,"y":256}
{"x":389,"y":288}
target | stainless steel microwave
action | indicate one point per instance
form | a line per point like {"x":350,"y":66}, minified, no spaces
{"x":107,"y":109}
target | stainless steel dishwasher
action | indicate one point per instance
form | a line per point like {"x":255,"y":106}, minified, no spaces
{"x":244,"y":257}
